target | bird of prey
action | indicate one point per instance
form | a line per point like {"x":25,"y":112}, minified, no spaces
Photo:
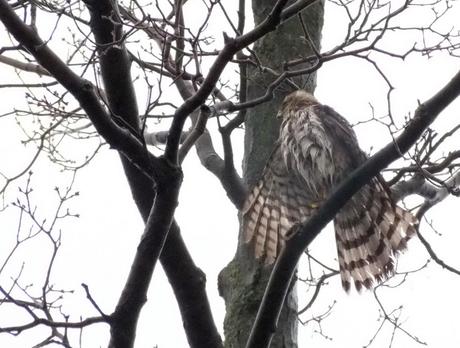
{"x":315,"y":151}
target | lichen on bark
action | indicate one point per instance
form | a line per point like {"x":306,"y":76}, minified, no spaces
{"x":242,"y":282}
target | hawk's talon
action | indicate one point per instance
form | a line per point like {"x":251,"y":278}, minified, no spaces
{"x":314,"y":205}
{"x":292,"y":231}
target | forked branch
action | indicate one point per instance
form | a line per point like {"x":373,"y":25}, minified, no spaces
{"x":300,"y":236}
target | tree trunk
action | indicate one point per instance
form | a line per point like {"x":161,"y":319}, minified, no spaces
{"x":242,"y":282}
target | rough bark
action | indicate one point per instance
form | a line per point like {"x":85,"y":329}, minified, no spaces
{"x":307,"y":231}
{"x":243,"y":281}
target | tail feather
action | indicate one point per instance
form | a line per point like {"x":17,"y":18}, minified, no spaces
{"x":370,"y":232}
{"x":404,"y":230}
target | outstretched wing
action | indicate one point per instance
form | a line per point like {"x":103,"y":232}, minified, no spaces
{"x":275,"y":203}
{"x":370,"y":229}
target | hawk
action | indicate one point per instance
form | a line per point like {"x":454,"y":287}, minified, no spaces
{"x":316,"y":150}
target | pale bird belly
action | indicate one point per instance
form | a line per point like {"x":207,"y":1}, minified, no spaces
{"x":308,"y":155}
{"x":318,"y":171}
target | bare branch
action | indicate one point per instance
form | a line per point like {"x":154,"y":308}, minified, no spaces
{"x":231,"y":47}
{"x":133,"y":297}
{"x":38,"y":69}
{"x":198,"y":129}
{"x":300,"y":236}
{"x":82,"y":90}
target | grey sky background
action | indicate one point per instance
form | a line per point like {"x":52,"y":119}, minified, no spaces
{"x":97,"y":248}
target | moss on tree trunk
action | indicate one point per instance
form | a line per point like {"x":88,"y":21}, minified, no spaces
{"x":242,"y":282}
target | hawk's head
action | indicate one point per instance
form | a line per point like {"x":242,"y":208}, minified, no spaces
{"x":294,"y":102}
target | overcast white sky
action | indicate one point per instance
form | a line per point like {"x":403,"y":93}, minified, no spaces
{"x":98,"y":247}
